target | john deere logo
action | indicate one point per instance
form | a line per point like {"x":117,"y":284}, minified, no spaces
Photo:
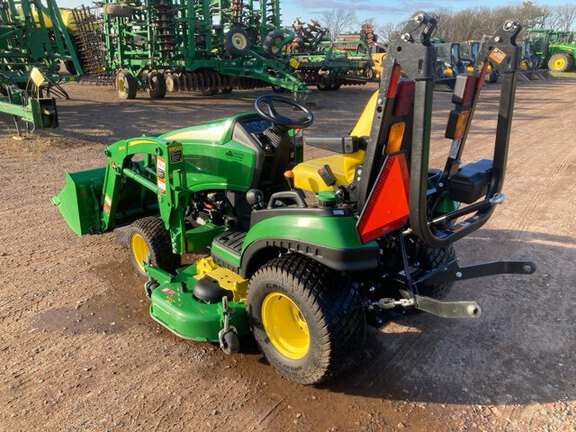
{"x":235,"y":155}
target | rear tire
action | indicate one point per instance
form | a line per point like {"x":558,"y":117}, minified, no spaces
{"x":492,"y":76}
{"x":428,"y":259}
{"x":560,"y":62}
{"x":324,"y":84}
{"x":308,"y":320}
{"x":149,"y":237}
{"x":336,"y":85}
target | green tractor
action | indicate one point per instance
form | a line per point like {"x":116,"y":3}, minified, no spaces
{"x":305,"y":279}
{"x":553,"y":48}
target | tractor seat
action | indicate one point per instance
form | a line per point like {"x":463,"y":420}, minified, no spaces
{"x":343,"y":165}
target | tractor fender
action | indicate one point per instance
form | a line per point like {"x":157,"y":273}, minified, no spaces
{"x":332,"y":240}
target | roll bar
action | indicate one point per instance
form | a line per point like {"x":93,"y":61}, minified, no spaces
{"x":416,"y":55}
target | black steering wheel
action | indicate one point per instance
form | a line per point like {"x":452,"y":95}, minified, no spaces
{"x":266,"y":107}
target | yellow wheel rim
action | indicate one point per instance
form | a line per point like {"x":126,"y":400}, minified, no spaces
{"x":285,"y":326}
{"x":121,"y":85}
{"x":240,"y":41}
{"x":140,"y":250}
{"x":559,"y":63}
{"x":276,"y":46}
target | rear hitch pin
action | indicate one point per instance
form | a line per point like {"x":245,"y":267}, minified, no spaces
{"x":390,"y":303}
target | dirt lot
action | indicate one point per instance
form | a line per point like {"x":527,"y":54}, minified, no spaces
{"x":78,"y":351}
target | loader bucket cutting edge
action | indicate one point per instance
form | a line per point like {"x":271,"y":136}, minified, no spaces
{"x":79,"y":200}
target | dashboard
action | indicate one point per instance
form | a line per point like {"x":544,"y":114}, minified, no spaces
{"x":255,"y":126}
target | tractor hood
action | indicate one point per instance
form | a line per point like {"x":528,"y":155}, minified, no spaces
{"x":217,"y":131}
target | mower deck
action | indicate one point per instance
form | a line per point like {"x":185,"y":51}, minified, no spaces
{"x":175,"y":305}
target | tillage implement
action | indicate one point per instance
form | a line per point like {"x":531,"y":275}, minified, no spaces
{"x":305,"y":279}
{"x":34,"y":41}
{"x":196,"y":45}
{"x":328,"y":64}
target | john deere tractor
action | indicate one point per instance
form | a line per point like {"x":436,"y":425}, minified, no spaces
{"x":553,"y":48}
{"x":305,"y":279}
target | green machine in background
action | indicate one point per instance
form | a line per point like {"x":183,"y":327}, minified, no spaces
{"x":208,"y":46}
{"x":34,"y":42}
{"x":554,"y":49}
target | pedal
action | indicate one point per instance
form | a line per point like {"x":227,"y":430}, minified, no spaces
{"x":457,"y":309}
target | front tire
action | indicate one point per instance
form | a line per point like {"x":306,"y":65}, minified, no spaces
{"x":308,"y":320}
{"x":149,"y":239}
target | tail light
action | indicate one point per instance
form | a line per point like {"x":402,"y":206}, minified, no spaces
{"x":464,"y":89}
{"x":457,"y":124}
{"x":394,"y":80}
{"x":404,"y":96}
{"x":395,"y":137}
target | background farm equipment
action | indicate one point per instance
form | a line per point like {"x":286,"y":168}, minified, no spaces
{"x":328,"y":64}
{"x":529,"y":64}
{"x":211,"y":47}
{"x":34,"y":43}
{"x":553,"y":49}
{"x":448,"y":62}
{"x":305,"y":279}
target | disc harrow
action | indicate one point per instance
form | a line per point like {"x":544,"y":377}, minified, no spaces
{"x":209,"y":82}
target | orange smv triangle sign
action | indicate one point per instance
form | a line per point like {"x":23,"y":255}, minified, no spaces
{"x":387,"y":207}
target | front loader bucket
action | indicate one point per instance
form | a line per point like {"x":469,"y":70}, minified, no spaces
{"x":80,"y":200}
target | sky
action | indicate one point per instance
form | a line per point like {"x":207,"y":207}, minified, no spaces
{"x":383,"y":11}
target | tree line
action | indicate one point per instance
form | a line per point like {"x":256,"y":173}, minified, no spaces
{"x":466,"y":24}
{"x":473,"y":23}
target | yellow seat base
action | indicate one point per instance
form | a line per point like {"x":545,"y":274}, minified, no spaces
{"x":343,"y":166}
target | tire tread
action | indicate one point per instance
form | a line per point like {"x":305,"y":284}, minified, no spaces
{"x":158,"y":238}
{"x":336,"y":307}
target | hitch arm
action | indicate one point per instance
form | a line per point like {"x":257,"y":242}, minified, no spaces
{"x":452,"y":272}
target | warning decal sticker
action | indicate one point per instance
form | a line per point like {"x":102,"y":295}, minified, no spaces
{"x":498,"y":55}
{"x":107,"y":203}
